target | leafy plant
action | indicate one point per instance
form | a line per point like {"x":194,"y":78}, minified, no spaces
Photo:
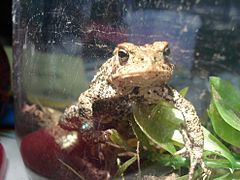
{"x":157,"y":127}
{"x":224,"y":110}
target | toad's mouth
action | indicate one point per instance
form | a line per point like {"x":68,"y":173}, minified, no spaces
{"x":142,"y":76}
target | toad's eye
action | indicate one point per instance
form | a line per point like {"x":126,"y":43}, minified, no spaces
{"x":166,"y":52}
{"x":123,"y":56}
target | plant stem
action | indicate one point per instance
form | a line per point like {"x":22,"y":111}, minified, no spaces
{"x":178,"y":161}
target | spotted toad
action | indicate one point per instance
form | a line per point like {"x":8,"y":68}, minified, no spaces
{"x":135,"y":74}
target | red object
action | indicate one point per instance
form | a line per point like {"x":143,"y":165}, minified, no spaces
{"x":3,"y":163}
{"x":60,"y":154}
{"x":42,"y":154}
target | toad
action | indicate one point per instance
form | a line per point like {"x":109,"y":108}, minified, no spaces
{"x":135,"y":74}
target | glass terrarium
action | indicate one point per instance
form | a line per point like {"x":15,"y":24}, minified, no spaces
{"x":93,"y":88}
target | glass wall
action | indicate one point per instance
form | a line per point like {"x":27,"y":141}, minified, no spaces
{"x":67,"y":131}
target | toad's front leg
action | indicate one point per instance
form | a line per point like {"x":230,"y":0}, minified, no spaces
{"x":191,"y":130}
{"x":195,"y":155}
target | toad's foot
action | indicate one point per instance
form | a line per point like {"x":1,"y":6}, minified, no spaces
{"x":194,"y":161}
{"x":206,"y":173}
{"x":195,"y":155}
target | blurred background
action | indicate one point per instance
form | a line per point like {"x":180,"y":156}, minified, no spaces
{"x":6,"y":113}
{"x":6,"y":22}
{"x":10,"y":159}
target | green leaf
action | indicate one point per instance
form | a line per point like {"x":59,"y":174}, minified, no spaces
{"x":162,"y":124}
{"x":122,"y":168}
{"x":117,"y":139}
{"x":166,"y":111}
{"x":224,"y":110}
{"x":226,"y":100}
{"x":222,"y":177}
{"x":185,"y":177}
{"x":143,"y":139}
{"x":223,"y":129}
{"x":228,"y":113}
{"x":167,"y":159}
{"x":183,"y":91}
{"x":157,"y":124}
{"x":227,"y":92}
{"x":212,"y":144}
{"x":228,"y":175}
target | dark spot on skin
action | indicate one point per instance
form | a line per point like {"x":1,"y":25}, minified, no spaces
{"x":135,"y":90}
